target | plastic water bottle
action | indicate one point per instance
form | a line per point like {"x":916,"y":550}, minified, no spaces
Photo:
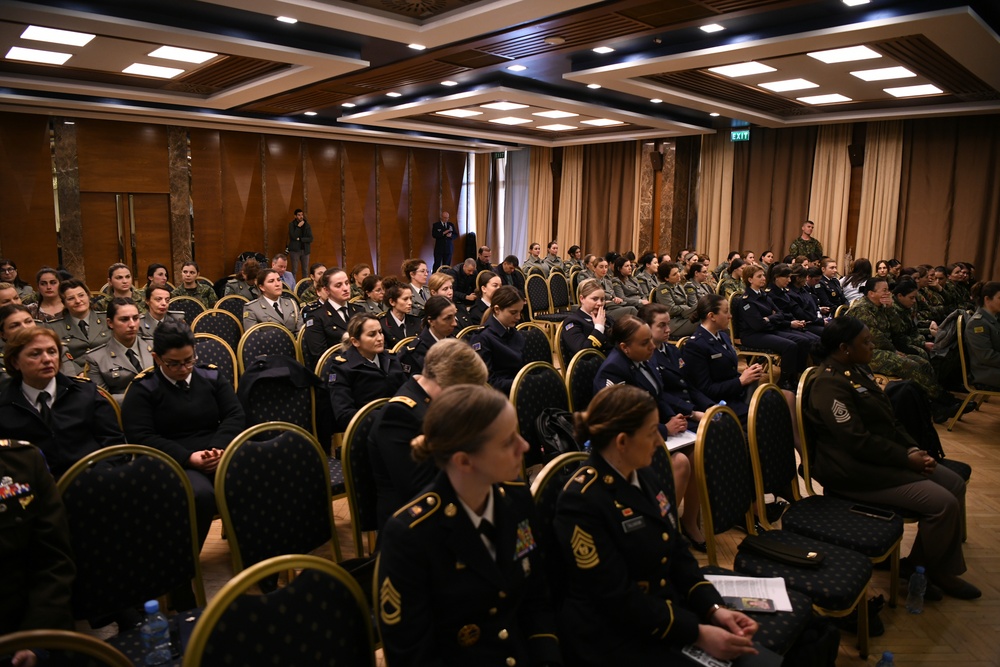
{"x":155,"y":635}
{"x":718,"y":417}
{"x":887,"y":660}
{"x":917,"y":586}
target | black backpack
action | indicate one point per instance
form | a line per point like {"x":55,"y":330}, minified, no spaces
{"x":555,"y":433}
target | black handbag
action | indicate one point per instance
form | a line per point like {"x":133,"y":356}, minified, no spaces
{"x":768,"y":547}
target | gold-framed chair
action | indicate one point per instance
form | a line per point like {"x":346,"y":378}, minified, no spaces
{"x":536,"y":386}
{"x":190,"y":306}
{"x":114,"y":404}
{"x":357,"y":476}
{"x":402,"y":343}
{"x":213,"y":350}
{"x":301,"y":285}
{"x":266,"y":338}
{"x":537,"y":344}
{"x":750,"y":354}
{"x":324,"y":361}
{"x":233,"y":304}
{"x":972,"y":391}
{"x":580,"y":376}
{"x":468,"y":331}
{"x":221,"y":323}
{"x":94,"y":649}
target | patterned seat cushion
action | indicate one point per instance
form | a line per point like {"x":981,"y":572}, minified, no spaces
{"x":223,"y":326}
{"x":536,"y":345}
{"x":540,"y":389}
{"x":337,"y":485}
{"x":831,"y":520}
{"x":581,"y":380}
{"x":278,"y":399}
{"x":834,"y":585}
{"x":218,"y":354}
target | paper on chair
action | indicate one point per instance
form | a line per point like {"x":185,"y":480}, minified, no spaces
{"x":752,"y":587}
{"x":682,"y":439}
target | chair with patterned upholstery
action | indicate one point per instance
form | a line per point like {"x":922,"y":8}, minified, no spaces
{"x":320,"y":618}
{"x":536,"y":386}
{"x":132,"y":526}
{"x":301,"y":286}
{"x":725,"y":481}
{"x":536,"y":343}
{"x":559,"y":291}
{"x":357,"y":473}
{"x":233,"y":303}
{"x":580,"y":376}
{"x":296,"y":516}
{"x":768,"y":359}
{"x":545,"y":490}
{"x":540,"y":303}
{"x":278,"y":399}
{"x":264,"y":339}
{"x":190,"y":306}
{"x":324,"y":362}
{"x":211,"y":349}
{"x":468,"y":331}
{"x":972,"y":391}
{"x":402,"y":343}
{"x":65,"y":648}
{"x":106,"y":395}
{"x":220,"y":323}
{"x":823,"y":518}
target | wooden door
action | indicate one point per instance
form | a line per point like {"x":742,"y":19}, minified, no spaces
{"x":121,"y":227}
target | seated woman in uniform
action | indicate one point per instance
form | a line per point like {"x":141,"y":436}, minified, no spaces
{"x":439,"y":323}
{"x":645,"y":273}
{"x":63,"y":416}
{"x":499,"y":343}
{"x":398,"y":321}
{"x":415,"y":273}
{"x":13,"y":317}
{"x":364,"y":371}
{"x":487,"y":283}
{"x":625,"y":286}
{"x":49,"y":306}
{"x":982,"y":337}
{"x":442,"y":283}
{"x":634,"y":593}
{"x":245,"y":281}
{"x":373,"y":294}
{"x":863,"y":452}
{"x":710,"y":362}
{"x":272,"y":306}
{"x":670,"y":292}
{"x":698,"y":283}
{"x":157,"y":309}
{"x":732,"y":280}
{"x":358,"y":275}
{"x":114,"y":364}
{"x":193,"y":287}
{"x":398,"y":478}
{"x":588,"y":326}
{"x":461,"y":578}
{"x":779,"y":291}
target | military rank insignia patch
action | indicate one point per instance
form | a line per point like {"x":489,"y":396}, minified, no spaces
{"x":390,"y":603}
{"x":841,"y":414}
{"x":584,"y":549}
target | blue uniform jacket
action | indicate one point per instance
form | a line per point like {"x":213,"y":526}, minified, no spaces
{"x":502,"y":350}
{"x":751,"y":310}
{"x":618,"y":369}
{"x":677,"y":390}
{"x":712,"y":367}
{"x":578,"y":333}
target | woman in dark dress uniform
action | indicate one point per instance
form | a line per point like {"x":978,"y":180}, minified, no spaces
{"x":500,"y":344}
{"x":486,"y":284}
{"x":364,"y":372}
{"x":781,"y":296}
{"x":397,"y":321}
{"x":588,"y":326}
{"x":634,"y":593}
{"x":439,"y":323}
{"x":460,"y":577}
{"x":398,"y":478}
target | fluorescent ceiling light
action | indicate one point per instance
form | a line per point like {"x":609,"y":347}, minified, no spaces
{"x":914,"y":91}
{"x":287,"y":19}
{"x":183,"y":55}
{"x":394,"y":94}
{"x":557,"y":127}
{"x":504,"y":106}
{"x":602,"y":122}
{"x":845,"y":55}
{"x":449,"y":83}
{"x":788,"y":84}
{"x":67,"y":37}
{"x":510,"y":120}
{"x":517,"y":68}
{"x":38,"y":56}
{"x":824,"y":99}
{"x":742,"y":69}
{"x":593,"y":86}
{"x":883,"y":74}
{"x":152,"y":70}
{"x":603,"y":49}
{"x":714,"y":114}
{"x":417,"y":47}
{"x":310,"y":113}
{"x":460,"y":113}
{"x":855,"y":3}
{"x":712,"y":27}
{"x":348,"y":105}
{"x":656,"y":100}
{"x":555,"y":114}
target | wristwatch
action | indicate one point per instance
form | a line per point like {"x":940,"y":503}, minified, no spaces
{"x":711,"y":611}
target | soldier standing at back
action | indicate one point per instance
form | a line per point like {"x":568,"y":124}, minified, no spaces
{"x":805,"y":244}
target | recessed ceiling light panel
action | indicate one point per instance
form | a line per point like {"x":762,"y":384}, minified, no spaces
{"x":38,"y":56}
{"x":714,"y":114}
{"x":504,"y":106}
{"x":53,"y":36}
{"x":602,"y":122}
{"x":788,"y":84}
{"x":517,"y":68}
{"x":309,"y":113}
{"x":348,"y":105}
{"x":604,"y":49}
{"x":555,"y":114}
{"x":152,"y":70}
{"x":742,"y":69}
{"x":449,"y":83}
{"x":459,"y":113}
{"x":183,"y":55}
{"x":914,"y":91}
{"x":712,"y":27}
{"x":832,"y":98}
{"x":883,"y":74}
{"x":656,"y":100}
{"x":393,"y":94}
{"x":556,"y":127}
{"x":855,"y":3}
{"x":594,"y":86}
{"x":510,"y":120}
{"x":417,"y":47}
{"x":845,"y":55}
{"x":287,"y":19}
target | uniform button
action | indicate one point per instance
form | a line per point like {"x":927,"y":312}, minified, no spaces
{"x":493,"y":611}
{"x":663,"y":561}
{"x":663,"y":583}
{"x":511,"y":662}
{"x":503,"y":634}
{"x":665,"y":537}
{"x":503,"y":594}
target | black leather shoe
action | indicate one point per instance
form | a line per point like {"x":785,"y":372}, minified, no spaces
{"x":701,"y":547}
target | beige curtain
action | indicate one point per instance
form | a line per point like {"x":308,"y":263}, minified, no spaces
{"x":880,"y":191}
{"x":608,"y":212}
{"x":570,"y":199}
{"x":715,"y":195}
{"x":483,"y":187}
{"x":636,"y":194}
{"x":831,"y":190}
{"x":540,"y":201}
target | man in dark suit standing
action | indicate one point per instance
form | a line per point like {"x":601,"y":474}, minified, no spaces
{"x":444,"y":233}
{"x":300,"y":238}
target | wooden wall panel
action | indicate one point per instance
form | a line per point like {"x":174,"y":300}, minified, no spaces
{"x":151,"y":212}
{"x":210,"y":248}
{"x":122,"y":157}
{"x":242,"y":193}
{"x":283,"y":188}
{"x":27,"y":208}
{"x":323,"y":196}
{"x":452,"y":175}
{"x":99,"y":213}
{"x":359,"y":208}
{"x":393,"y":204}
{"x":425,"y":195}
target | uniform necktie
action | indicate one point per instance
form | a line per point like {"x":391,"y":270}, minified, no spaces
{"x":489,"y":531}
{"x":423,"y":293}
{"x":43,"y":407}
{"x":184,"y":386}
{"x":85,"y":328}
{"x":134,"y":359}
{"x":343,"y":312}
{"x":277,"y":309}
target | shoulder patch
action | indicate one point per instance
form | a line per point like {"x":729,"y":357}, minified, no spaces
{"x":419,"y":509}
{"x":584,"y":549}
{"x":405,"y":400}
{"x":79,"y":378}
{"x":339,"y":359}
{"x":582,"y":480}
{"x":841,"y":414}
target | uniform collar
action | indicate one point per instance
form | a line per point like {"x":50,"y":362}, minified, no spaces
{"x":31,"y":394}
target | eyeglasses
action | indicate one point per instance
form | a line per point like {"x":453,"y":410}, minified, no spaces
{"x":7,"y":269}
{"x":175,"y":365}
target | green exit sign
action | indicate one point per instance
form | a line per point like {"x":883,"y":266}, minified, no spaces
{"x":739,"y":135}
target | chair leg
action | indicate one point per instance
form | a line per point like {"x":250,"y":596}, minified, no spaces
{"x":961,"y":409}
{"x":863,"y":626}
{"x":965,"y":523}
{"x":894,"y":577}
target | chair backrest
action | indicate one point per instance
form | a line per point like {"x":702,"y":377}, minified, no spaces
{"x":571,"y":282}
{"x":536,"y":343}
{"x":106,"y":395}
{"x":771,"y":433}
{"x":132,"y":527}
{"x":326,"y":360}
{"x":841,"y":309}
{"x":320,"y":618}
{"x":301,"y":286}
{"x":580,"y":376}
{"x":190,"y":306}
{"x":95,"y":652}
{"x":221,"y":323}
{"x":559,"y":291}
{"x":402,"y":343}
{"x":211,"y":349}
{"x":664,"y":469}
{"x":560,"y":350}
{"x":264,"y":339}
{"x":291,"y":295}
{"x":362,"y":496}
{"x":468,"y":331}
{"x":537,"y":291}
{"x":723,"y":473}
{"x":801,"y":401}
{"x":734,"y":318}
{"x":233,"y":303}
{"x":551,"y":479}
{"x":963,"y":360}
{"x":536,"y":386}
{"x":277,"y":399}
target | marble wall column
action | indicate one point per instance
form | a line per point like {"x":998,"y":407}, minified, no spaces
{"x":66,"y":171}
{"x":179,"y":167}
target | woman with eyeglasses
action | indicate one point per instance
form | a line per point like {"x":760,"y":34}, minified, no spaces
{"x":187,"y":411}
{"x":8,"y":274}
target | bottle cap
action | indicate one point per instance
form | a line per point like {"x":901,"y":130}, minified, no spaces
{"x":723,"y":403}
{"x":919,"y":569}
{"x":887,"y":655}
{"x":152,"y":607}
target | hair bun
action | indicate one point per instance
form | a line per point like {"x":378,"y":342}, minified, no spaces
{"x":419,"y":450}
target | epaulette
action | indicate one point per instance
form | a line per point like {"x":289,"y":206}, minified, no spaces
{"x":420,"y":508}
{"x":582,"y":480}
{"x":143,"y":375}
{"x":977,"y":316}
{"x":767,"y":289}
{"x":312,"y":305}
{"x":746,"y":295}
{"x":9,"y":443}
{"x":99,"y":347}
{"x":80,"y":378}
{"x":405,"y":400}
{"x":339,"y":359}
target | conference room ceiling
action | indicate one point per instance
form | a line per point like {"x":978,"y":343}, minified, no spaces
{"x":563,"y":72}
